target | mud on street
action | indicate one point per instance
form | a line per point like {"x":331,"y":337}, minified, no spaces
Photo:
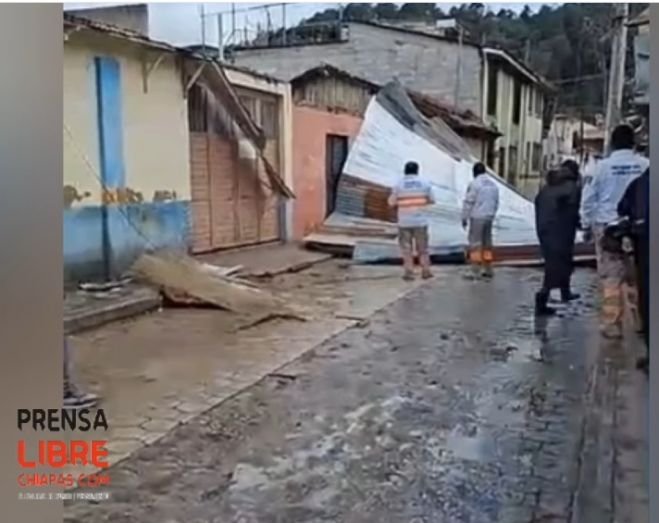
{"x":449,"y":405}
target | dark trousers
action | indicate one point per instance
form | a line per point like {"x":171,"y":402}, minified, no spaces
{"x":642,"y":282}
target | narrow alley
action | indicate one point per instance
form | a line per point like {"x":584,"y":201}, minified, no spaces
{"x":437,"y":402}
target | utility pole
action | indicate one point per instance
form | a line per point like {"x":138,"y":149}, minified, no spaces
{"x":220,"y":38}
{"x":458,"y":72}
{"x":203,"y":30}
{"x":233,"y":22}
{"x":527,"y":52}
{"x":616,"y":71}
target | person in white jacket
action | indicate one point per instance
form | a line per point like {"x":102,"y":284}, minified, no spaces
{"x":479,"y":209}
{"x":598,"y":210}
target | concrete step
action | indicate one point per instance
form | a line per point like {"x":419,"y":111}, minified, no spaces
{"x":88,"y":310}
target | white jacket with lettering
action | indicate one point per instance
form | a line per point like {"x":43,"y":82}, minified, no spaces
{"x":599,"y":202}
{"x":482,"y":199}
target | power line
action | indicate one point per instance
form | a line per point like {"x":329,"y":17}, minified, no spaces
{"x":99,"y":178}
{"x":247,"y":9}
{"x":576,"y":79}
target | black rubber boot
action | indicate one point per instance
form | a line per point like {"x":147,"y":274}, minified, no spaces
{"x":541,"y":308}
{"x":567,"y":295}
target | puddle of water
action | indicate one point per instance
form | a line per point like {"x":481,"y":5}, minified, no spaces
{"x":465,"y":447}
{"x":246,"y":477}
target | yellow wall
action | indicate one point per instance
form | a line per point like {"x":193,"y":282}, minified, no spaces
{"x":155,"y":123}
{"x":80,"y":118}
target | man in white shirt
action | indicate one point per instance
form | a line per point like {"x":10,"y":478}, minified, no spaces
{"x":598,"y":210}
{"x":479,"y":209}
{"x":411,"y":196}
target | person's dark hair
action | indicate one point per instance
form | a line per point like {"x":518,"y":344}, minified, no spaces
{"x":479,"y":168}
{"x":571,"y":169}
{"x":411,"y":168}
{"x":622,"y":137}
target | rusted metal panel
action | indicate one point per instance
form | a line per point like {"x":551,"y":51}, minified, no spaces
{"x":357,"y":197}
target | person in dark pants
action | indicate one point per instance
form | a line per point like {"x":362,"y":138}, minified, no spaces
{"x":573,"y":174}
{"x":74,"y":396}
{"x":635,"y":206}
{"x":557,"y":220}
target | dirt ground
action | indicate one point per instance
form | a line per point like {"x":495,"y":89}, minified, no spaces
{"x":451,"y":403}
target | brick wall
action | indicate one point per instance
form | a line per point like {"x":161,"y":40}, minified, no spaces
{"x":310,"y":129}
{"x":420,"y":62}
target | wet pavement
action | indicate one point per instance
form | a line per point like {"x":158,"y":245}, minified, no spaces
{"x":451,"y":404}
{"x":160,"y":370}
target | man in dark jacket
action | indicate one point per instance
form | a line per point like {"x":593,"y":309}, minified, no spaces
{"x":557,"y":220}
{"x":635,"y":206}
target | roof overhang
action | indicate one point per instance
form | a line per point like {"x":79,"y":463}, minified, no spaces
{"x":520,"y":68}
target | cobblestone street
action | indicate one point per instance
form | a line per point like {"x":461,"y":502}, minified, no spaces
{"x":449,"y":405}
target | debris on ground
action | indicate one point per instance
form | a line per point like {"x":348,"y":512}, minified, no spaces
{"x":184,"y":281}
{"x":93,"y":287}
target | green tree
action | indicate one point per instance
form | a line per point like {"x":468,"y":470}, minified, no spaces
{"x":385,"y":11}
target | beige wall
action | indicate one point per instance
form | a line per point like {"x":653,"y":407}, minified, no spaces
{"x":155,"y":123}
{"x":81,"y":146}
{"x":528,"y":131}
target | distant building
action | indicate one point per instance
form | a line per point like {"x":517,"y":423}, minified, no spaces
{"x":564,"y":140}
{"x":642,"y":75}
{"x":642,"y":58}
{"x":134,"y":17}
{"x":436,"y":62}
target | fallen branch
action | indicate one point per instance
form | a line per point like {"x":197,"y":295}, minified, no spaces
{"x":270,"y":317}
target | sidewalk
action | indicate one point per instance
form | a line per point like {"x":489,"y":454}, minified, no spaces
{"x":163,"y":369}
{"x":88,"y":310}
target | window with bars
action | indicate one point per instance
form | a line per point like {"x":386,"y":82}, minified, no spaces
{"x":197,"y":110}
{"x":517,"y":102}
{"x":269,"y":119}
{"x":249,"y":102}
{"x":492,"y":90}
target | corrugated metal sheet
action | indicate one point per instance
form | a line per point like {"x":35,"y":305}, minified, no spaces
{"x":356,"y":197}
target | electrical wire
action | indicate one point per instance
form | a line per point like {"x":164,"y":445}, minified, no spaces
{"x":96,"y":174}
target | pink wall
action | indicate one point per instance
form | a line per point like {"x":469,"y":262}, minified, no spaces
{"x":310,"y":129}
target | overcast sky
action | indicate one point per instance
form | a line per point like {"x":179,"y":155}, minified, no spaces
{"x":180,"y":24}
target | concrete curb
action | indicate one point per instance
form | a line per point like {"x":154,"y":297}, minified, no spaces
{"x":128,"y":307}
